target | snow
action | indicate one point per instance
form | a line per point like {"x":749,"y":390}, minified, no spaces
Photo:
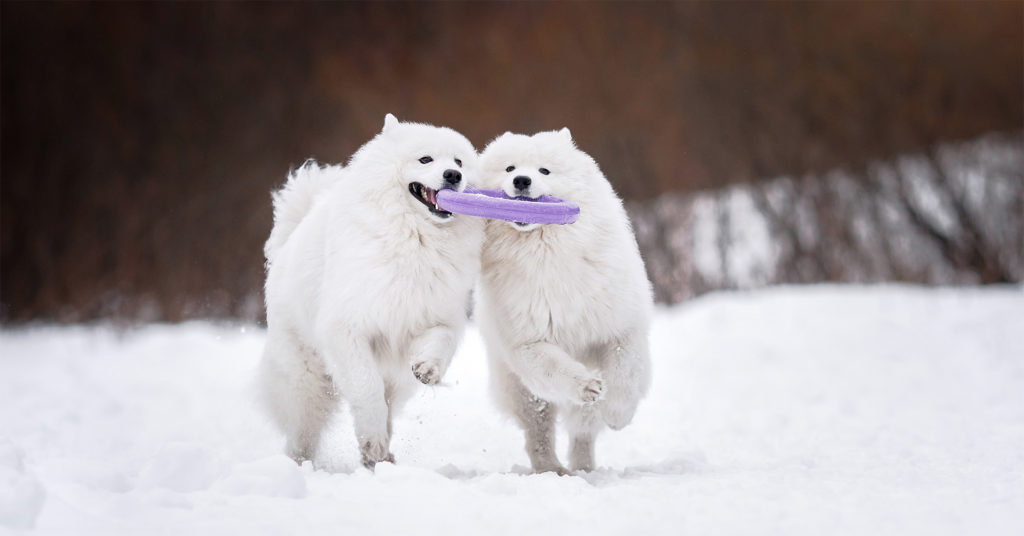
{"x":753,"y":254}
{"x":882,"y":223}
{"x":793,"y":410}
{"x":706,"y":224}
{"x":21,"y":494}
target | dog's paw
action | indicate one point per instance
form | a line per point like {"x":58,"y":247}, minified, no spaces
{"x":427,"y":372}
{"x":373,"y":452}
{"x":589,"y":389}
{"x":558,"y":469}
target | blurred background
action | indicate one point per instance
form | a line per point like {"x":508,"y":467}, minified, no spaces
{"x":755,"y":143}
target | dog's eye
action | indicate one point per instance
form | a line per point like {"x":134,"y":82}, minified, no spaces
{"x":458,"y":162}
{"x":543,"y":171}
{"x":510,"y":169}
{"x":426,"y":160}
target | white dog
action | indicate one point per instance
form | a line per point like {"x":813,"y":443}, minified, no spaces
{"x":367,"y":284}
{"x":564,"y":309}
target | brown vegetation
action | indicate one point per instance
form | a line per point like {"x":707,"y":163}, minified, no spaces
{"x":140,"y":140}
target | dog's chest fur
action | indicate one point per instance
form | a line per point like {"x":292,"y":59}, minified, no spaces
{"x":551,"y":286}
{"x":416,"y":278}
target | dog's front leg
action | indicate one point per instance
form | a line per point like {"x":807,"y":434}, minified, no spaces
{"x":627,"y":371}
{"x":356,"y":375}
{"x":431,"y":352}
{"x":550,"y":373}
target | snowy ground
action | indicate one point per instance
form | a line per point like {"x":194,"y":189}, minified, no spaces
{"x":813,"y":410}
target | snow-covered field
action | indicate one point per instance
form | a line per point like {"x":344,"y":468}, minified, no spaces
{"x":814,"y":410}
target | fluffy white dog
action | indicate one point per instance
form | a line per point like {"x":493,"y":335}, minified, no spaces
{"x":564,"y":309}
{"x":367,"y":284}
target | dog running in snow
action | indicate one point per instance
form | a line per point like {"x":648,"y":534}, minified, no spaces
{"x":367,"y":285}
{"x":564,"y":309}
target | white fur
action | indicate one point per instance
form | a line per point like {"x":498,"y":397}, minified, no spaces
{"x":293,"y":201}
{"x":564,"y":309}
{"x":366,"y":289}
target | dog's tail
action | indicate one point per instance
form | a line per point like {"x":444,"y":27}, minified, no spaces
{"x":294,"y":200}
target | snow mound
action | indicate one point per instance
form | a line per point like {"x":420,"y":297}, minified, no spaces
{"x":273,"y":476}
{"x":21,"y":494}
{"x":181,"y":467}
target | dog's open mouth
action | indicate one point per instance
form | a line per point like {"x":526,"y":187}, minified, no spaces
{"x":428,"y":196}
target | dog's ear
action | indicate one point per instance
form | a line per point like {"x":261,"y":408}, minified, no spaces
{"x":501,"y":136}
{"x":390,"y":122}
{"x":565,"y":133}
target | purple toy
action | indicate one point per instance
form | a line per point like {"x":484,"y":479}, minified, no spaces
{"x":496,"y":205}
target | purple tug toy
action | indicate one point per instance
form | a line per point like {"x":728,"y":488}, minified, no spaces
{"x":494,"y":204}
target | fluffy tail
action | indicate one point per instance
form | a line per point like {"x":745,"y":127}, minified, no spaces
{"x":293,"y":201}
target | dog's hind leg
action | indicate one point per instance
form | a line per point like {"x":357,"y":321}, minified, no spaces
{"x":297,"y":392}
{"x":534,"y":415}
{"x":537,"y":417}
{"x":583,"y":424}
{"x":351,"y":363}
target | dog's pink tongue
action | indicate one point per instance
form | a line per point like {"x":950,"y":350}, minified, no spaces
{"x":432,"y":196}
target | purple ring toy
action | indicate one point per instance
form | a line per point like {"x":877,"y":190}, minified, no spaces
{"x":494,"y":204}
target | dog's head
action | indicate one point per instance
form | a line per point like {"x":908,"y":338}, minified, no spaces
{"x":421,"y":159}
{"x":547,"y":163}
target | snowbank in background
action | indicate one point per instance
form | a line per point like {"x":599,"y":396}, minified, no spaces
{"x":809,"y":410}
{"x":951,"y":216}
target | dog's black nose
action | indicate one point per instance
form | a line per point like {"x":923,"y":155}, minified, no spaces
{"x":521,"y":182}
{"x":452,"y":176}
